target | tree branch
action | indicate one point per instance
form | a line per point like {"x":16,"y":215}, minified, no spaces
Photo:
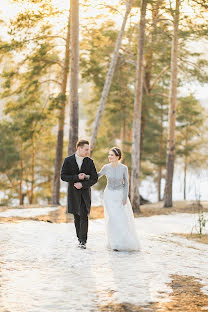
{"x":43,"y":37}
{"x":159,"y":76}
{"x":51,"y":80}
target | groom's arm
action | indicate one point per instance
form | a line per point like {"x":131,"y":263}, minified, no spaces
{"x":93,"y":177}
{"x":65,"y":173}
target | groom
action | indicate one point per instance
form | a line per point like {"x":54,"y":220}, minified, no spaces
{"x":80,"y":173}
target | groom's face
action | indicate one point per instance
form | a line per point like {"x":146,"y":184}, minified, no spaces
{"x":83,"y":151}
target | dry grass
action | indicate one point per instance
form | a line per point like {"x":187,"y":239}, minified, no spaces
{"x":57,"y":216}
{"x":199,"y":238}
{"x":147,"y":210}
{"x":186,"y":297}
{"x":126,"y":307}
{"x":178,"y":207}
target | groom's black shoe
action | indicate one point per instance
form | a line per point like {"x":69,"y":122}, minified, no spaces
{"x":115,"y":249}
{"x":82,"y":245}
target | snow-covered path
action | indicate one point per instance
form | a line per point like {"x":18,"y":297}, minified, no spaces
{"x":42,"y":270}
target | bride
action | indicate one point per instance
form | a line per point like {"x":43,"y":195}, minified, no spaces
{"x":119,"y":218}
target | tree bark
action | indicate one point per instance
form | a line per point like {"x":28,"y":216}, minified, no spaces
{"x":159,"y":182}
{"x":21,"y":197}
{"x":185,"y":169}
{"x":172,"y":112}
{"x":31,"y":192}
{"x":160,"y":167}
{"x":149,"y":58}
{"x":136,"y":137}
{"x":109,"y":78}
{"x":185,"y":172}
{"x":61,"y":119}
{"x":123,"y":134}
{"x":74,"y":76}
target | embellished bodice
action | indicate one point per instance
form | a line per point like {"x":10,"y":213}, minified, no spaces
{"x":117,"y":178}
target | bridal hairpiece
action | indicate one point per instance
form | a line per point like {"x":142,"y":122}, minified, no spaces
{"x":116,"y":151}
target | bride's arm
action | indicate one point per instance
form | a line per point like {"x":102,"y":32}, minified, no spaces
{"x":102,"y":172}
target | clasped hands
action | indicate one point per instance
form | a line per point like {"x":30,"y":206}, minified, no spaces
{"x":81,"y":176}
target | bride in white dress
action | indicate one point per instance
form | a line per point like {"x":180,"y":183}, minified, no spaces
{"x":119,"y":218}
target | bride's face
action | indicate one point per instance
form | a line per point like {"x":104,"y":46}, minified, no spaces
{"x":112,"y":157}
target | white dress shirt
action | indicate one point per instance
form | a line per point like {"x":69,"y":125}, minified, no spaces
{"x":79,"y":160}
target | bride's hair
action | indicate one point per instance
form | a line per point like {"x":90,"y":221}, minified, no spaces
{"x":117,"y":152}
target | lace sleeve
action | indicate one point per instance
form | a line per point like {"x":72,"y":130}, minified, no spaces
{"x":126,"y":183}
{"x":102,"y":172}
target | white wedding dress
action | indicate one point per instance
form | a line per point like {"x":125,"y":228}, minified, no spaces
{"x":119,"y":218}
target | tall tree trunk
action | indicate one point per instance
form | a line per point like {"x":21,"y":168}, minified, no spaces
{"x":185,"y":170}
{"x":185,"y":173}
{"x":31,"y":192}
{"x":74,"y":76}
{"x":160,"y":166}
{"x":61,"y":119}
{"x":21,"y":196}
{"x":109,"y":78}
{"x":159,"y":182}
{"x":135,"y":159}
{"x":123,"y":133}
{"x":172,"y":112}
{"x":148,"y":69}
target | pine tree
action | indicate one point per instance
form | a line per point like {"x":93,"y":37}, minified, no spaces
{"x":172,"y":111}
{"x":74,"y":76}
{"x":190,"y":121}
{"x":109,"y":77}
{"x":136,"y":136}
{"x":61,"y":119}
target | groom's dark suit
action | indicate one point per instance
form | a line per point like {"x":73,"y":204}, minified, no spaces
{"x":79,"y":201}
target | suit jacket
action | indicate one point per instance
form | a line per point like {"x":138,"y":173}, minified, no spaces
{"x":69,"y":173}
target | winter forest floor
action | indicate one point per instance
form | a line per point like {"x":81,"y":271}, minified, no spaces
{"x":170,"y":273}
{"x":186,"y":296}
{"x":147,"y":210}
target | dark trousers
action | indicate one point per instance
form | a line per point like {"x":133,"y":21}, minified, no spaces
{"x":81,"y":223}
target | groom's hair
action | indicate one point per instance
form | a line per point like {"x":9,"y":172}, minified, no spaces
{"x":82,"y":143}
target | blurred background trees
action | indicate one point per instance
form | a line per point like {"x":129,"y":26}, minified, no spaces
{"x":35,"y":92}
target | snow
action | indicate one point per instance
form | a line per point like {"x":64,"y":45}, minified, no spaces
{"x":43,"y":270}
{"x":27,"y":212}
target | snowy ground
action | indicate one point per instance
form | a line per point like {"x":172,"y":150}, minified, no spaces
{"x":27,"y":212}
{"x":42,"y":270}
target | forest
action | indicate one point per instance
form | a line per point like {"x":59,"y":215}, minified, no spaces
{"x":119,"y":73}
